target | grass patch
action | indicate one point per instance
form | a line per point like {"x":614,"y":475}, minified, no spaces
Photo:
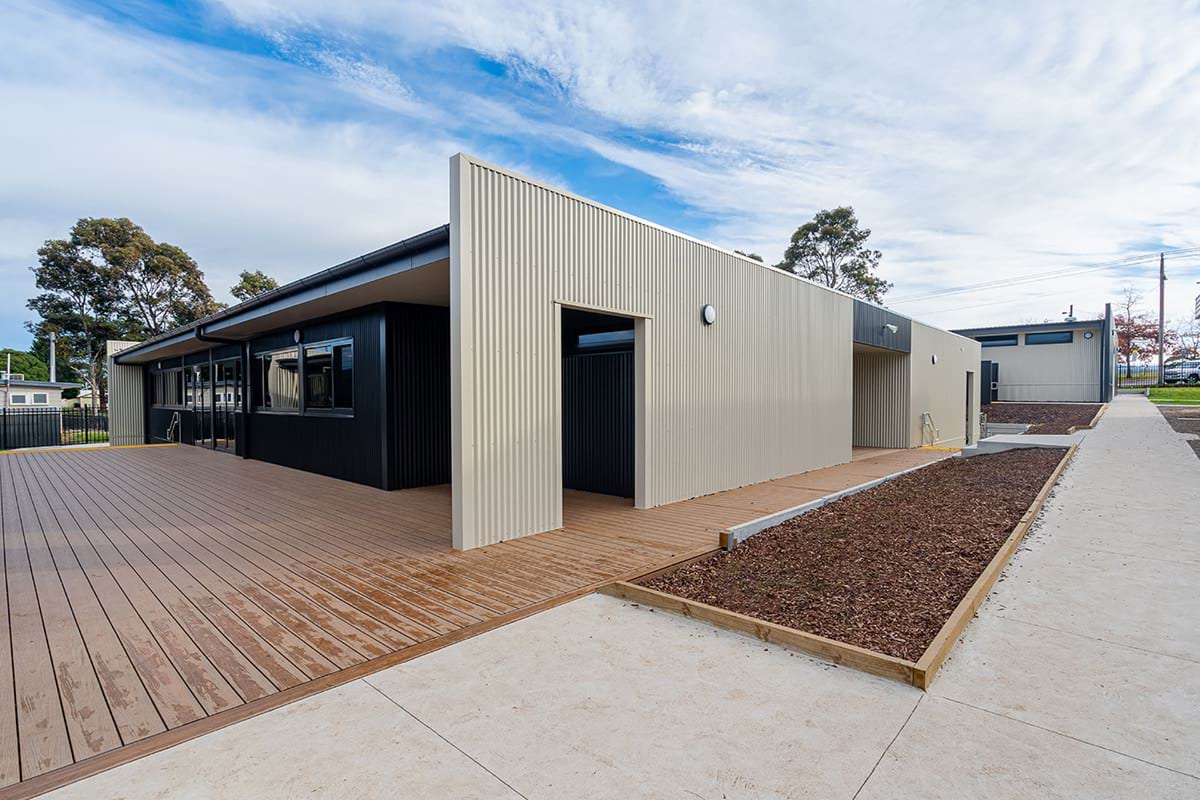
{"x":1175,"y":395}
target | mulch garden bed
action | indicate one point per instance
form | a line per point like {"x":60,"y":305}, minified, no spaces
{"x":1184,"y":419}
{"x":1054,"y":418}
{"x":882,"y":569}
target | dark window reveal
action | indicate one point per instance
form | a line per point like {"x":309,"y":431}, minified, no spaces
{"x":606,"y":340}
{"x":329,"y":376}
{"x":167,"y":388}
{"x":277,"y":380}
{"x":1053,"y":337}
{"x":1007,"y":340}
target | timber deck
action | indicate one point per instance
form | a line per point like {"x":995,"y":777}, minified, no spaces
{"x":153,"y":594}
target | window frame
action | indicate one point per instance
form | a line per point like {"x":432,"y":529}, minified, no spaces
{"x":13,"y":401}
{"x":261,"y":382}
{"x":154,"y":379}
{"x":258,"y":387}
{"x":999,"y":340}
{"x":336,"y":410}
{"x":45,"y":401}
{"x":1069,"y":340}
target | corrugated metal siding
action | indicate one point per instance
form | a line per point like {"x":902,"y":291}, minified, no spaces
{"x":420,"y":356}
{"x":598,"y":415}
{"x":881,"y":400}
{"x":126,"y":398}
{"x":1051,"y":372}
{"x":941,"y":388}
{"x":762,"y":393}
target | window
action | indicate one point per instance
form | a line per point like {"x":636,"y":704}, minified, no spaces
{"x":1053,"y":337}
{"x":166,"y":388}
{"x":277,"y":380}
{"x":17,"y":399}
{"x":1006,"y":340}
{"x":329,"y":376}
{"x":605,"y":340}
{"x":40,"y":398}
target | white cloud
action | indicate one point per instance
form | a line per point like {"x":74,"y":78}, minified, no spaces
{"x":200,"y":149}
{"x":976,"y":140}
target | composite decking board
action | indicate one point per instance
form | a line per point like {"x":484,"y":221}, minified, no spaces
{"x":10,"y":761}
{"x":173,"y":697}
{"x":334,"y":618}
{"x":225,"y":637}
{"x":242,"y":599}
{"x":282,"y":556}
{"x":188,"y":654}
{"x":133,"y":711}
{"x":41,"y":723}
{"x":294,"y":568}
{"x":278,"y":652}
{"x":400,"y":584}
{"x":391,"y":627}
{"x":90,"y":723}
{"x":313,"y":601}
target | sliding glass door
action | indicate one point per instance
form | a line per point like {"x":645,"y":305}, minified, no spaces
{"x":227,"y":402}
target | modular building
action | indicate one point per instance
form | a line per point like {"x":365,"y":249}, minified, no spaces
{"x":1069,"y":361}
{"x":542,"y":342}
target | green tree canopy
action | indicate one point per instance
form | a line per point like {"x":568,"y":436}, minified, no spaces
{"x":25,"y":363}
{"x":252,"y":284}
{"x":110,"y":280}
{"x":831,"y":250}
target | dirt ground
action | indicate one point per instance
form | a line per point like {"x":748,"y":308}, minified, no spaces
{"x":1184,"y":419}
{"x":881,"y":569}
{"x":1052,"y":418}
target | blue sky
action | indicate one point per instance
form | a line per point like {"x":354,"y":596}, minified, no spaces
{"x":978,"y":141}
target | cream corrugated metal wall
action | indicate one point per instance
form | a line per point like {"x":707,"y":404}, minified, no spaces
{"x":764,"y":392}
{"x":941,"y":389}
{"x":126,"y":399}
{"x":881,"y":399}
{"x":1046,"y":372}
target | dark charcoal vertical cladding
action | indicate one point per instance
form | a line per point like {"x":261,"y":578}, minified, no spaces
{"x":346,"y":447}
{"x":419,"y":344}
{"x":870,"y":328}
{"x":598,"y":423}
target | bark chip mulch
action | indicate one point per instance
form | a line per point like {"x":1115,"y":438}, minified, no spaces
{"x":882,"y":569}
{"x":1052,"y":418}
{"x":1184,"y":419}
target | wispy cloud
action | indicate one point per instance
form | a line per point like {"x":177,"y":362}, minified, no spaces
{"x":976,"y":140}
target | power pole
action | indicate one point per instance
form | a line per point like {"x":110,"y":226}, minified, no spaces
{"x":1162,"y":285}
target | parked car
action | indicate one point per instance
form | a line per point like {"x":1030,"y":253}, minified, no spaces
{"x":1182,"y":372}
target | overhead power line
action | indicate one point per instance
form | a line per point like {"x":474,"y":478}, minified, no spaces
{"x":1046,"y":276}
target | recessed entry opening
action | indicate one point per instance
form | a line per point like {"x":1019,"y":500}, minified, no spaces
{"x":598,"y":402}
{"x":881,"y":392}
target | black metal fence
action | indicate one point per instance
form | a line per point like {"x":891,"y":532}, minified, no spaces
{"x":51,"y":427}
{"x":1137,"y":376}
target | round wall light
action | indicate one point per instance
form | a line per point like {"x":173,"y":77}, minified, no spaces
{"x":708,"y":314}
{"x":933,"y":358}
{"x":296,"y":336}
{"x":1087,"y":334}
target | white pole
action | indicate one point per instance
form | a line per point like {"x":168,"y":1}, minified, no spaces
{"x":53,"y":367}
{"x":7,"y":379}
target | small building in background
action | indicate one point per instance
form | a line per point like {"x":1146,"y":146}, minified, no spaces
{"x":18,"y":393}
{"x":1070,"y":361}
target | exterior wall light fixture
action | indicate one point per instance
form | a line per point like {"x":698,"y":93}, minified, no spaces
{"x":708,"y":314}
{"x":891,"y":327}
{"x":933,"y":359}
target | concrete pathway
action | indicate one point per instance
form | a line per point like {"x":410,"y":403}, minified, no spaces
{"x":1080,"y":678}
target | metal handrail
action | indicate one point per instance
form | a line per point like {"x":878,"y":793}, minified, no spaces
{"x":927,"y":426}
{"x":173,"y":428}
